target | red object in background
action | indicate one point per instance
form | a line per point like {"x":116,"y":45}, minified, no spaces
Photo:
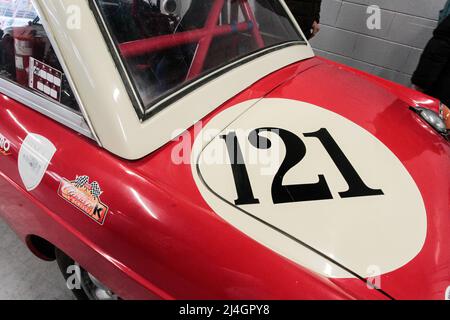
{"x":161,"y":239}
{"x":203,"y":36}
{"x":211,"y":24}
{"x":26,"y":45}
{"x":140,"y":47}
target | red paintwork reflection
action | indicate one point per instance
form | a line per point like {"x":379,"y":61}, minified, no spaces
{"x":161,"y":240}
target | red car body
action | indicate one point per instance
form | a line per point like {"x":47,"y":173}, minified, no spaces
{"x":161,"y":240}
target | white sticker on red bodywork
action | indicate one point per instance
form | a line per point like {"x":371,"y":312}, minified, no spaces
{"x":35,"y":155}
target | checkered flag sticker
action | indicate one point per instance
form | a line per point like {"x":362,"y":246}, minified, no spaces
{"x":81,"y":181}
{"x":95,"y":189}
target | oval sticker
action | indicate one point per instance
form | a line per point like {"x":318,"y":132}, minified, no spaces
{"x":290,"y":174}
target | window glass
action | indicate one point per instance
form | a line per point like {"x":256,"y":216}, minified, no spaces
{"x":26,"y":55}
{"x":166,"y":44}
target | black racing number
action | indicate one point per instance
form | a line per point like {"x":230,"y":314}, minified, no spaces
{"x":240,"y":174}
{"x":356,"y":186}
{"x":295,"y":152}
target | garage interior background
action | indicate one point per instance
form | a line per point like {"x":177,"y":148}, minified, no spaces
{"x":391,"y":52}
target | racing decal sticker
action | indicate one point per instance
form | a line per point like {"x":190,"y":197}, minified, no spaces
{"x":293,"y":175}
{"x":5,"y":146}
{"x":85,"y":196}
{"x":34,"y":158}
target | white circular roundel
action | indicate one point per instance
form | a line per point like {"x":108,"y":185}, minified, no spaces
{"x":308,"y":183}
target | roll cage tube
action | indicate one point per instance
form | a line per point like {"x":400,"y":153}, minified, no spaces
{"x":203,"y":37}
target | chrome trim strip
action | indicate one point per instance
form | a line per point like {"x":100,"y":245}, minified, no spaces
{"x":49,"y":108}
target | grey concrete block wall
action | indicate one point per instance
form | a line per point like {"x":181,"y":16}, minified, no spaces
{"x":393,"y":51}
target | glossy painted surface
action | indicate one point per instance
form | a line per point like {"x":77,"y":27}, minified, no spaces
{"x":161,"y":240}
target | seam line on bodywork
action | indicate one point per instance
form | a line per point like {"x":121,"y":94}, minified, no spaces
{"x":267,"y":224}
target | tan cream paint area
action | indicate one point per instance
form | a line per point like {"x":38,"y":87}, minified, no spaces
{"x":369,"y":235}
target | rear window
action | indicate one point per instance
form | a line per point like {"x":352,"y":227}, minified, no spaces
{"x":164,"y":45}
{"x":27,"y":57}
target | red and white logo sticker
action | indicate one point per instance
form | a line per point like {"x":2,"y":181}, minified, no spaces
{"x":85,"y":196}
